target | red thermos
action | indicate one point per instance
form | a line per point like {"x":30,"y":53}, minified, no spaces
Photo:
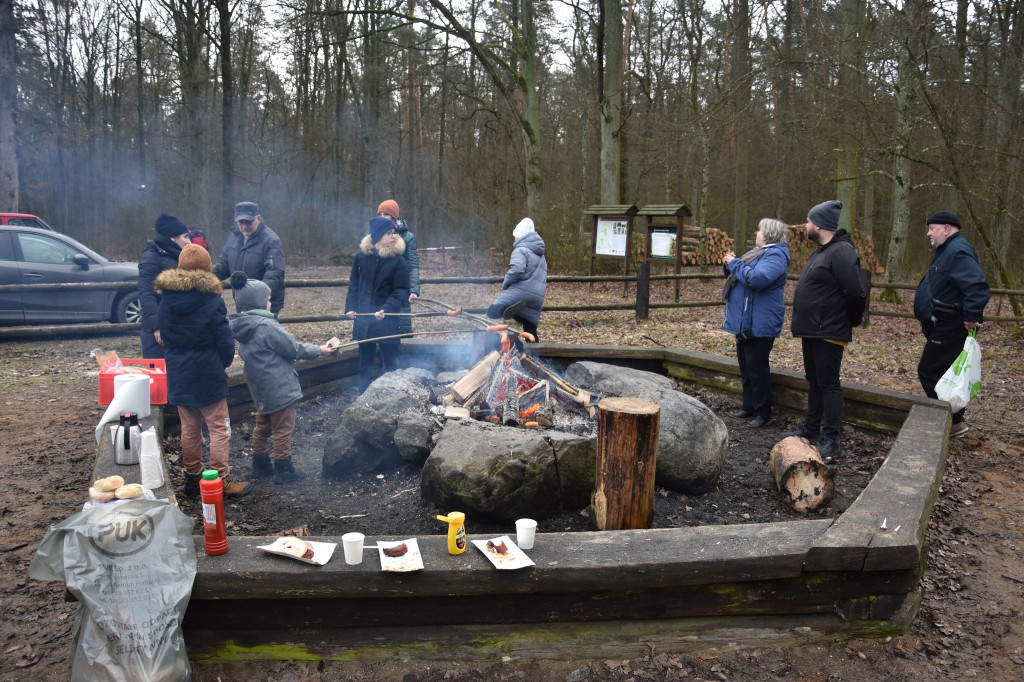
{"x":212,"y":489}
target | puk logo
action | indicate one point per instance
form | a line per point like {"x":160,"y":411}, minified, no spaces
{"x":126,"y":534}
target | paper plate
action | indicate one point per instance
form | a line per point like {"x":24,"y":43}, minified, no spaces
{"x":512,"y":559}
{"x":322,"y":551}
{"x":410,"y":561}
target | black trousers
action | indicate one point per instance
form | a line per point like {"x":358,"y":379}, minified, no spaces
{"x":942,"y":347}
{"x":822,"y":361}
{"x":755,"y":374}
{"x":368,"y":361}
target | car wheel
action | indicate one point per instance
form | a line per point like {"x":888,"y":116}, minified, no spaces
{"x":128,"y":309}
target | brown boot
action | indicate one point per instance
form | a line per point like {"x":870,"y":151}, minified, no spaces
{"x":234,"y":488}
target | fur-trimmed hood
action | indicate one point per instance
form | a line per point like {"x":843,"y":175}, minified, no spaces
{"x":177,"y":279}
{"x":366,"y":246}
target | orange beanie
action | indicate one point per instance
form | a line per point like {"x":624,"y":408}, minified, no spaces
{"x":390,"y":207}
{"x":195,"y":257}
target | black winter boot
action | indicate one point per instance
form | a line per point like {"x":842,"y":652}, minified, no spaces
{"x":191,"y":484}
{"x":261,"y":467}
{"x":285,"y":472}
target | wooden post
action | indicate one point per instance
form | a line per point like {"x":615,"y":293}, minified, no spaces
{"x":865,"y":280}
{"x":627,"y":448}
{"x":643,"y":291}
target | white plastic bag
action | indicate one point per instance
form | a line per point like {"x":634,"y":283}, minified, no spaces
{"x":962,"y":381}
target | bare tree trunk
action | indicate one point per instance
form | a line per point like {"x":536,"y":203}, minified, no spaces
{"x":741,"y":121}
{"x":851,"y":70}
{"x":9,"y":184}
{"x":611,"y":101}
{"x":227,"y":122}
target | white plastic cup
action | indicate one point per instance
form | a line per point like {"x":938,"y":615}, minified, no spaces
{"x":353,"y":543}
{"x":526,"y":530}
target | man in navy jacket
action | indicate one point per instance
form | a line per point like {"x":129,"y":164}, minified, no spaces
{"x":949,"y":303}
{"x":255,"y":249}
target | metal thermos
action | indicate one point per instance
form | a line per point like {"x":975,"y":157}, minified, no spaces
{"x":127,"y":437}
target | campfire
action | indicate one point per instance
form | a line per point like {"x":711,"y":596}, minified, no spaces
{"x":511,"y":388}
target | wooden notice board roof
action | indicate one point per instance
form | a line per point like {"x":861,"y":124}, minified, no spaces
{"x":628,"y":210}
{"x":677,"y":210}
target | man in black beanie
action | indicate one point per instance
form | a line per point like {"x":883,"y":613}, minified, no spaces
{"x":828,"y":303}
{"x":948,"y":303}
{"x":161,"y":253}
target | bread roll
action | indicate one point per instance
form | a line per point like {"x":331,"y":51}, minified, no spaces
{"x":126,"y":492}
{"x":97,"y":495}
{"x":296,"y":548}
{"x":108,"y":484}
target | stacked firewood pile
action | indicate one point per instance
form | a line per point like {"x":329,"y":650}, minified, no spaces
{"x":513,"y":389}
{"x":719,"y":243}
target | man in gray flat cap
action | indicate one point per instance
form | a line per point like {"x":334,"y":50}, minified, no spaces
{"x":253,"y":248}
{"x":948,"y":303}
{"x":828,"y":303}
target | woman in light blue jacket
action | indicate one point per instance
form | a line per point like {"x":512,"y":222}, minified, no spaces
{"x":754,"y":309}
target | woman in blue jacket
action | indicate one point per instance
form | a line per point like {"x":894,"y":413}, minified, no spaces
{"x":754,"y":310}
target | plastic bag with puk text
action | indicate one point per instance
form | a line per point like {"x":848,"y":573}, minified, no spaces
{"x":131,"y":567}
{"x":962,"y":381}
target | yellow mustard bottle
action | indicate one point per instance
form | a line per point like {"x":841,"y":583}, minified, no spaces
{"x":456,"y":531}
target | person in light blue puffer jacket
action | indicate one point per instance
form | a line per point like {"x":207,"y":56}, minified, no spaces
{"x":754,"y":310}
{"x":526,"y":280}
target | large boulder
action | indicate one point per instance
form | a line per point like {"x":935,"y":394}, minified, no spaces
{"x":365,"y":438}
{"x":508,"y":472}
{"x":692,"y":440}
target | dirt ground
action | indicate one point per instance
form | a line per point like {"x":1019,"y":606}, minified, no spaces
{"x":969,"y":625}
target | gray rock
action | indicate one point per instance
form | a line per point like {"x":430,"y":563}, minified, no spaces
{"x":508,"y":472}
{"x":692,"y":440}
{"x":365,"y":438}
{"x":414,"y":435}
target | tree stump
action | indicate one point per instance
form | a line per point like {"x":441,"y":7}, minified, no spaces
{"x":627,"y":448}
{"x":803,"y":479}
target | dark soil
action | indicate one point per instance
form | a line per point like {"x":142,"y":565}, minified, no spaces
{"x":389,"y":503}
{"x":969,"y":625}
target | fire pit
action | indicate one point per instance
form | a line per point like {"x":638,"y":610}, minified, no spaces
{"x":603,"y":594}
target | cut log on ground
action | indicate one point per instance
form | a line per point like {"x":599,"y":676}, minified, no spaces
{"x":627,"y":448}
{"x":804,"y":481}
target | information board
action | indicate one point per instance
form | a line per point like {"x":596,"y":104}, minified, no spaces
{"x":611,"y":237}
{"x":663,"y":243}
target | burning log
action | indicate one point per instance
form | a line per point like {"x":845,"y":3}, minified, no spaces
{"x":475,"y":378}
{"x":627,"y":448}
{"x":803,"y":479}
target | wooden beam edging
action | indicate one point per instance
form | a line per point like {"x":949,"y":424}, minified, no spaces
{"x":846,"y":575}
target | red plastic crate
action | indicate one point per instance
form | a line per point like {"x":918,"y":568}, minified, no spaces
{"x":157,"y":389}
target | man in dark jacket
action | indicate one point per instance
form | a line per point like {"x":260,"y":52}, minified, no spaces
{"x":197,"y":339}
{"x":828,"y":302}
{"x":161,"y":253}
{"x":253,"y":248}
{"x":949,"y":303}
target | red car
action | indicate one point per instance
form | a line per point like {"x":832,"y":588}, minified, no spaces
{"x":23,"y":220}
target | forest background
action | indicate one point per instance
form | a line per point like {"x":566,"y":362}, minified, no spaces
{"x":473,"y":113}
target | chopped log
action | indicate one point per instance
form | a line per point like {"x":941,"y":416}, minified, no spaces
{"x":803,"y":479}
{"x":454,"y":412}
{"x":475,"y":377}
{"x":627,"y":448}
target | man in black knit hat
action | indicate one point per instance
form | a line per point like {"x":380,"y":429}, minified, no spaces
{"x":828,"y":303}
{"x":948,"y":303}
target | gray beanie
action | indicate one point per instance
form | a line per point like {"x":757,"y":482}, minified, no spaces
{"x":826,"y":214}
{"x":250,"y":294}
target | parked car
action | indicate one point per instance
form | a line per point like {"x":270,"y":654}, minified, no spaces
{"x":24,"y":220}
{"x":30,"y":255}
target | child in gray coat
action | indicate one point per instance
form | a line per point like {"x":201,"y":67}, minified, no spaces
{"x":268,"y":352}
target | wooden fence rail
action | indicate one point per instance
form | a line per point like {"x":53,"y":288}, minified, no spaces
{"x":641,"y":305}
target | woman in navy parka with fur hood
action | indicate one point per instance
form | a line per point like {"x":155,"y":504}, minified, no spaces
{"x":378,"y":285}
{"x":754,"y":309}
